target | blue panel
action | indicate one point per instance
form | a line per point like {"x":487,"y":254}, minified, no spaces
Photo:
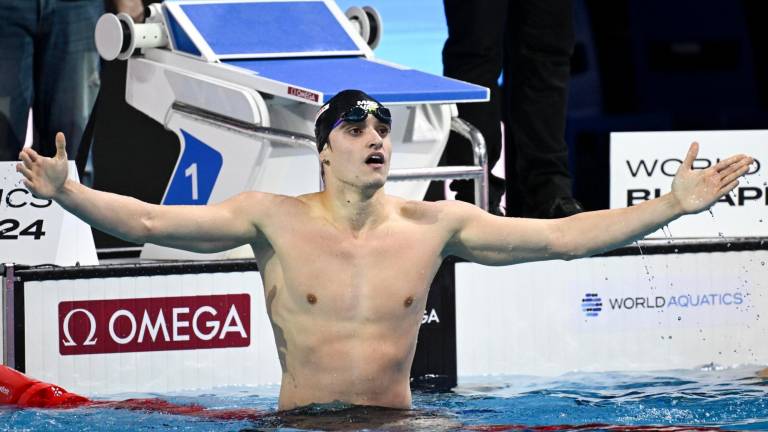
{"x":265,"y":28}
{"x":414,"y":31}
{"x":195,"y":174}
{"x":181,"y":41}
{"x":385,"y":83}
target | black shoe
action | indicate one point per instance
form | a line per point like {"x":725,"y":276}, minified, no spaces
{"x":563,"y":207}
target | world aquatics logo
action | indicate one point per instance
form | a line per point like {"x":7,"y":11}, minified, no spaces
{"x":591,"y":304}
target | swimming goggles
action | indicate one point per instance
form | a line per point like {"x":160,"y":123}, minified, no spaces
{"x":358,"y":114}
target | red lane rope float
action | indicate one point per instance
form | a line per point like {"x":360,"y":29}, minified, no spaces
{"x":20,"y":390}
{"x":25,"y":392}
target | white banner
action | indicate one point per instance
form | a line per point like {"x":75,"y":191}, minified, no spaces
{"x":77,"y":340}
{"x":628,"y":313}
{"x":38,"y":231}
{"x":643,"y":165}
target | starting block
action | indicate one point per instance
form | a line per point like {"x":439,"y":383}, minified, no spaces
{"x":240,"y":81}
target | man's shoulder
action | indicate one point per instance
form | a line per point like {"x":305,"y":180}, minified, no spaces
{"x":251,"y":197}
{"x":445,"y":210}
{"x":265,"y":203}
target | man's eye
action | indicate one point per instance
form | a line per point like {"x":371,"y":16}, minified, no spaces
{"x":383,"y":131}
{"x":354,"y":130}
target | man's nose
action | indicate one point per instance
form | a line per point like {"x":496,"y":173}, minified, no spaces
{"x":376,"y":140}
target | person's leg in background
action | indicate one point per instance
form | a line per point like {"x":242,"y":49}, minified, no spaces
{"x":539,"y":45}
{"x":66,"y":71}
{"x":473,"y":53}
{"x":18,"y":24}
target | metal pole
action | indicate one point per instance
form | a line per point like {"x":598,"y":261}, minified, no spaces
{"x":465,"y":129}
{"x":276,"y":136}
{"x":437,"y":173}
{"x":9,"y":349}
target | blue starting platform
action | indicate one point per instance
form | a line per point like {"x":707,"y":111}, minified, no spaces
{"x":301,"y":49}
{"x":388,"y":84}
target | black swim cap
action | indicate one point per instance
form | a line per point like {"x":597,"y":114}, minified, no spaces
{"x":336,"y":107}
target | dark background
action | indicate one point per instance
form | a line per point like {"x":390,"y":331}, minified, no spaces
{"x":637,"y":65}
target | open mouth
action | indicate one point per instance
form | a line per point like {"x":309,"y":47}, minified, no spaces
{"x":376,"y":159}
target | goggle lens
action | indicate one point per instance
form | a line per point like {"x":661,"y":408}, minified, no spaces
{"x":358,"y":114}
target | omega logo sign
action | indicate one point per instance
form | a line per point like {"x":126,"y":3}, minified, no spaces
{"x":154,"y":324}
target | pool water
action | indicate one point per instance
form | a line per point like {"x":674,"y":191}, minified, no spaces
{"x":711,"y":397}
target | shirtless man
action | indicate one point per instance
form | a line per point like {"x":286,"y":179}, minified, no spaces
{"x":346,"y":270}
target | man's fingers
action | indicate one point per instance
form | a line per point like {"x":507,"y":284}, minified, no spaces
{"x":693,"y":150}
{"x":29,"y":152}
{"x":744,"y":164}
{"x":26,"y":159}
{"x":729,"y":187}
{"x":26,"y":172}
{"x":725,"y":163}
{"x":61,"y":146}
{"x":28,"y":184}
{"x":734,"y":175}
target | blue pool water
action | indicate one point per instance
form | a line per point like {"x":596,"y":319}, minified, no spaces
{"x":731,"y":399}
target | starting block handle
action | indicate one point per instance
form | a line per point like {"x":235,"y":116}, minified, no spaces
{"x":476,"y":139}
{"x":277,"y":136}
{"x":478,"y":172}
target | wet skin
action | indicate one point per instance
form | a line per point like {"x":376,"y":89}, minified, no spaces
{"x":346,"y":271}
{"x":346,"y":307}
{"x":346,"y":299}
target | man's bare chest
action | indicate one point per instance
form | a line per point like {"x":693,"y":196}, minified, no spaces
{"x":383,"y":274}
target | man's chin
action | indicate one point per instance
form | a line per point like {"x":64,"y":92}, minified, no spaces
{"x":375,"y":183}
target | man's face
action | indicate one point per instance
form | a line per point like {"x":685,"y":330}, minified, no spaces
{"x":359,"y":153}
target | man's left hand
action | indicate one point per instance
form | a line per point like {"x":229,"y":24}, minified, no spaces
{"x":697,"y":190}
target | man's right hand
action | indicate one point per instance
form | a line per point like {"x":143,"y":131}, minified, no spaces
{"x":43,"y":176}
{"x":134,"y":8}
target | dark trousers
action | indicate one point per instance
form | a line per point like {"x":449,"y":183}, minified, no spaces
{"x":48,"y":60}
{"x":530,"y":42}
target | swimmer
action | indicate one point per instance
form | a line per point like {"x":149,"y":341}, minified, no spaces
{"x":346,"y":270}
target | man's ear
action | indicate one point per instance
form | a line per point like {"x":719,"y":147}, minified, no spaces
{"x":324,"y":152}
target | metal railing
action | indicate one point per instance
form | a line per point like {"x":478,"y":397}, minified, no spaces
{"x":477,"y":172}
{"x":278,"y":136}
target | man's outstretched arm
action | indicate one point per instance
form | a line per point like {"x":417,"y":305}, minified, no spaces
{"x":493,"y":240}
{"x":195,"y":228}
